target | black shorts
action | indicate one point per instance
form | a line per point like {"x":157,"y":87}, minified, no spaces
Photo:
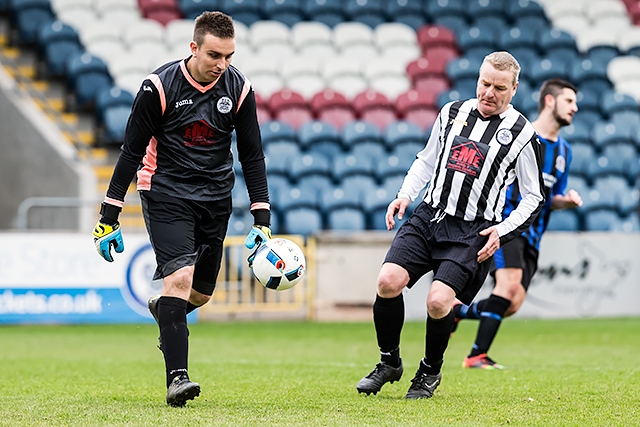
{"x":447,"y":246}
{"x":186,"y":232}
{"x":517,"y":253}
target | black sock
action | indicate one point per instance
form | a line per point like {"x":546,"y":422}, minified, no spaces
{"x":174,"y":334}
{"x":490,"y":320}
{"x":471,"y":311}
{"x":388,"y":318}
{"x":436,"y":342}
{"x":191,"y":307}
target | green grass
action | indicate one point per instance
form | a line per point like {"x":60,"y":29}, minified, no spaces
{"x":560,"y":373}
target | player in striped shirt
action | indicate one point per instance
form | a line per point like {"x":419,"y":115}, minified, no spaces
{"x":477,"y":147}
{"x":517,"y":261}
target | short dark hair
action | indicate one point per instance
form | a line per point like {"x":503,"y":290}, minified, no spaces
{"x":215,"y":23}
{"x":553,"y":87}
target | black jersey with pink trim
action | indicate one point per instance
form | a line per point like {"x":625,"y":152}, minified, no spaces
{"x":179,"y":135}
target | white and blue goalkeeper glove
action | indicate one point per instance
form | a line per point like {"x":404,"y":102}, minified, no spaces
{"x":257,"y":236}
{"x":106,"y":233}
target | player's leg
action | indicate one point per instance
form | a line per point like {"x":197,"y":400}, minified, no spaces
{"x":388,"y":319}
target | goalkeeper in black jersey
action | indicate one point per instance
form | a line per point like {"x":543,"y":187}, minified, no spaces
{"x":178,"y":142}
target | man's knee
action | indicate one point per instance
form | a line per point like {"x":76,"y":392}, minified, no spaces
{"x":391,"y":280}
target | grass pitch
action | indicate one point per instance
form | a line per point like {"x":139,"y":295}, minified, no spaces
{"x":560,"y":373}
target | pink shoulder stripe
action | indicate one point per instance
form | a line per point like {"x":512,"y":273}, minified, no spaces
{"x":149,"y":166}
{"x":245,"y":90}
{"x":158,"y":84}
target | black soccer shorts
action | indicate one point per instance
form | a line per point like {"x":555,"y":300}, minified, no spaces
{"x":448,"y":246}
{"x":517,"y":253}
{"x":187,"y":232}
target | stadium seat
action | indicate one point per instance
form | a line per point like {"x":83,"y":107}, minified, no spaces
{"x":629,"y":40}
{"x":161,"y":11}
{"x":346,"y":219}
{"x":320,"y":137}
{"x":628,"y":224}
{"x":56,"y":42}
{"x":388,"y":76}
{"x":598,"y":44}
{"x":564,"y":220}
{"x":477,"y":42}
{"x":296,"y":197}
{"x":113,"y":107}
{"x":271,"y":39}
{"x":313,"y":40}
{"x":120,"y":13}
{"x":405,"y":12}
{"x":577,"y":134}
{"x":463,"y":68}
{"x":343,"y":74}
{"x":514,"y":10}
{"x":310,"y":164}
{"x":375,"y":205}
{"x":288,"y":12}
{"x":401,"y":132}
{"x":430,"y":36}
{"x":614,"y":102}
{"x":374,"y":107}
{"x":191,"y":9}
{"x":605,"y":133}
{"x":245,"y":11}
{"x":26,"y":18}
{"x":602,"y":220}
{"x":392,"y":165}
{"x":369,"y":12}
{"x":582,"y":153}
{"x":439,"y":11}
{"x":360,"y":132}
{"x":418,"y":107}
{"x":590,"y":76}
{"x":279,"y":155}
{"x":85,"y":76}
{"x":262,"y":109}
{"x":346,"y":165}
{"x":264,"y":75}
{"x":333,"y":107}
{"x":357,"y":186}
{"x":337,"y":198}
{"x":329,"y":12}
{"x":623,"y":68}
{"x":276,"y":131}
{"x":303,"y":221}
{"x":557,"y":43}
{"x":539,"y":71}
{"x":290,"y":107}
{"x":422,"y":68}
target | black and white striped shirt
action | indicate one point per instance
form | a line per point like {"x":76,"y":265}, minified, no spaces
{"x":470,"y":161}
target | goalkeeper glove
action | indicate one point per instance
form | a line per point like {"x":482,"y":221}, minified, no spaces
{"x":258,"y":235}
{"x":106,"y":233}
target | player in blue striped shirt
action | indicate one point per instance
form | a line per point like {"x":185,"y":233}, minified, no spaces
{"x":517,"y":261}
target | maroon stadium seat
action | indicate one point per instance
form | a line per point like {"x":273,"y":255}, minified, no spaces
{"x":374,"y":107}
{"x":333,"y":107}
{"x":418,"y":107}
{"x":290,"y":107}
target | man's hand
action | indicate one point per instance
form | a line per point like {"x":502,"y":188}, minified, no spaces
{"x":396,"y":207}
{"x":106,"y":236}
{"x":258,"y":235}
{"x":492,"y":245}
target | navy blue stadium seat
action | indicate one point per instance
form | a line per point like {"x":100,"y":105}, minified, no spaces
{"x":476,"y":42}
{"x":375,"y":205}
{"x":557,"y":44}
{"x":346,"y":165}
{"x":369,"y":12}
{"x":297,"y":197}
{"x":280,"y":155}
{"x":393,"y":165}
{"x":289,"y":12}
{"x":245,"y":11}
{"x":305,"y":221}
{"x":602,"y":220}
{"x":539,"y":71}
{"x":239,"y":195}
{"x":191,"y":9}
{"x":616,"y":188}
{"x":241,"y":221}
{"x":517,"y":37}
{"x":582,"y":154}
{"x":523,"y":8}
{"x":463,"y":68}
{"x":346,"y":219}
{"x":436,"y":10}
{"x":357,"y":186}
{"x":358,"y":132}
{"x":275,"y":131}
{"x":605,"y":133}
{"x":26,"y":18}
{"x":113,"y":107}
{"x":321,"y":137}
{"x":602,"y":53}
{"x":309,"y":164}
{"x":581,"y":185}
{"x":628,"y":224}
{"x":482,"y":8}
{"x":409,"y":151}
{"x":456,"y":23}
{"x":403,"y":132}
{"x":618,"y":158}
{"x":537,"y":23}
{"x":448,"y":96}
{"x":406,"y":12}
{"x":57,"y":42}
{"x":337,"y":198}
{"x":330,"y":12}
{"x":496,"y":23}
{"x":564,"y":220}
{"x":277,"y":185}
{"x":85,"y":76}
{"x":613,"y":102}
{"x":577,"y":133}
{"x":589,"y":76}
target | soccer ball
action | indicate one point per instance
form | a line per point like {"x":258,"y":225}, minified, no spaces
{"x":279,"y":264}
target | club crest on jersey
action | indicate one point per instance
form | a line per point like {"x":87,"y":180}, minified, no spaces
{"x":504,"y":136}
{"x":561,"y":163}
{"x":224,"y":104}
{"x":467,"y":156}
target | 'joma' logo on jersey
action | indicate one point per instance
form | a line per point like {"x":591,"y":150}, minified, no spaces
{"x":184,"y":102}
